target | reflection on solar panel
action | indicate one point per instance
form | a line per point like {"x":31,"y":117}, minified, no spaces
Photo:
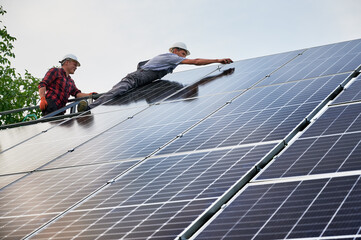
{"x":254,"y":150}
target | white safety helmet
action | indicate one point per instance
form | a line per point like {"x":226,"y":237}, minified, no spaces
{"x":179,"y":45}
{"x":70,"y":56}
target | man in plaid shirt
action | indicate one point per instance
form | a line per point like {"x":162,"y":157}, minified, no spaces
{"x":57,"y":86}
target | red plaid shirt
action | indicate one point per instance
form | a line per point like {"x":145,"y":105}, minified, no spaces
{"x":59,"y":87}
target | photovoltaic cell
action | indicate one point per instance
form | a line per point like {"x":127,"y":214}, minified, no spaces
{"x":306,"y":209}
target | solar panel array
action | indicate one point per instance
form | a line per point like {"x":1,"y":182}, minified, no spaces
{"x":218,"y":152}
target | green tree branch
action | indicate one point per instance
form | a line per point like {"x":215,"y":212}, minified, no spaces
{"x":16,"y":91}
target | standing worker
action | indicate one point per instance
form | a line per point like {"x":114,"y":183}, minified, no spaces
{"x":151,"y":70}
{"x":57,"y":86}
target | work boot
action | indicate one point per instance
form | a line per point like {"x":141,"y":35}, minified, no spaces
{"x":83,"y":106}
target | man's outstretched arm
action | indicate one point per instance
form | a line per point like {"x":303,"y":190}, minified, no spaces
{"x":202,"y":61}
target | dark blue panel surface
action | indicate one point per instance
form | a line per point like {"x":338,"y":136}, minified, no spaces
{"x":313,"y":208}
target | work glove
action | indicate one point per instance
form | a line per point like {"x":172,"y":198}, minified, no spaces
{"x":43,"y":104}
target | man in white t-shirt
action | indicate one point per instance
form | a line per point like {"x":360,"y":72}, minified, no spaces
{"x":151,"y":70}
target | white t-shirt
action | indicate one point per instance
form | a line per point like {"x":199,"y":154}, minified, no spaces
{"x":166,"y":61}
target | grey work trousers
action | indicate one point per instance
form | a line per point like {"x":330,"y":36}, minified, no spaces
{"x":132,"y":80}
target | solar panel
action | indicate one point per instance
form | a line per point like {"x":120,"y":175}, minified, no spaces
{"x":291,"y":210}
{"x":159,"y":161}
{"x":182,"y":181}
{"x":331,"y":144}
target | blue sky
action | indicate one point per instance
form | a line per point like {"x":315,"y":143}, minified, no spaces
{"x":111,"y":36}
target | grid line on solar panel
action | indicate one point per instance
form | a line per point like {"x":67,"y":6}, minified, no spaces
{"x":313,"y":208}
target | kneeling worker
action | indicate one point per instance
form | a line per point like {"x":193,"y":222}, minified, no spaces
{"x":154,"y":69}
{"x":57,"y":86}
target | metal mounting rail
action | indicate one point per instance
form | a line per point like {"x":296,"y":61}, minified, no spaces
{"x":50,"y":117}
